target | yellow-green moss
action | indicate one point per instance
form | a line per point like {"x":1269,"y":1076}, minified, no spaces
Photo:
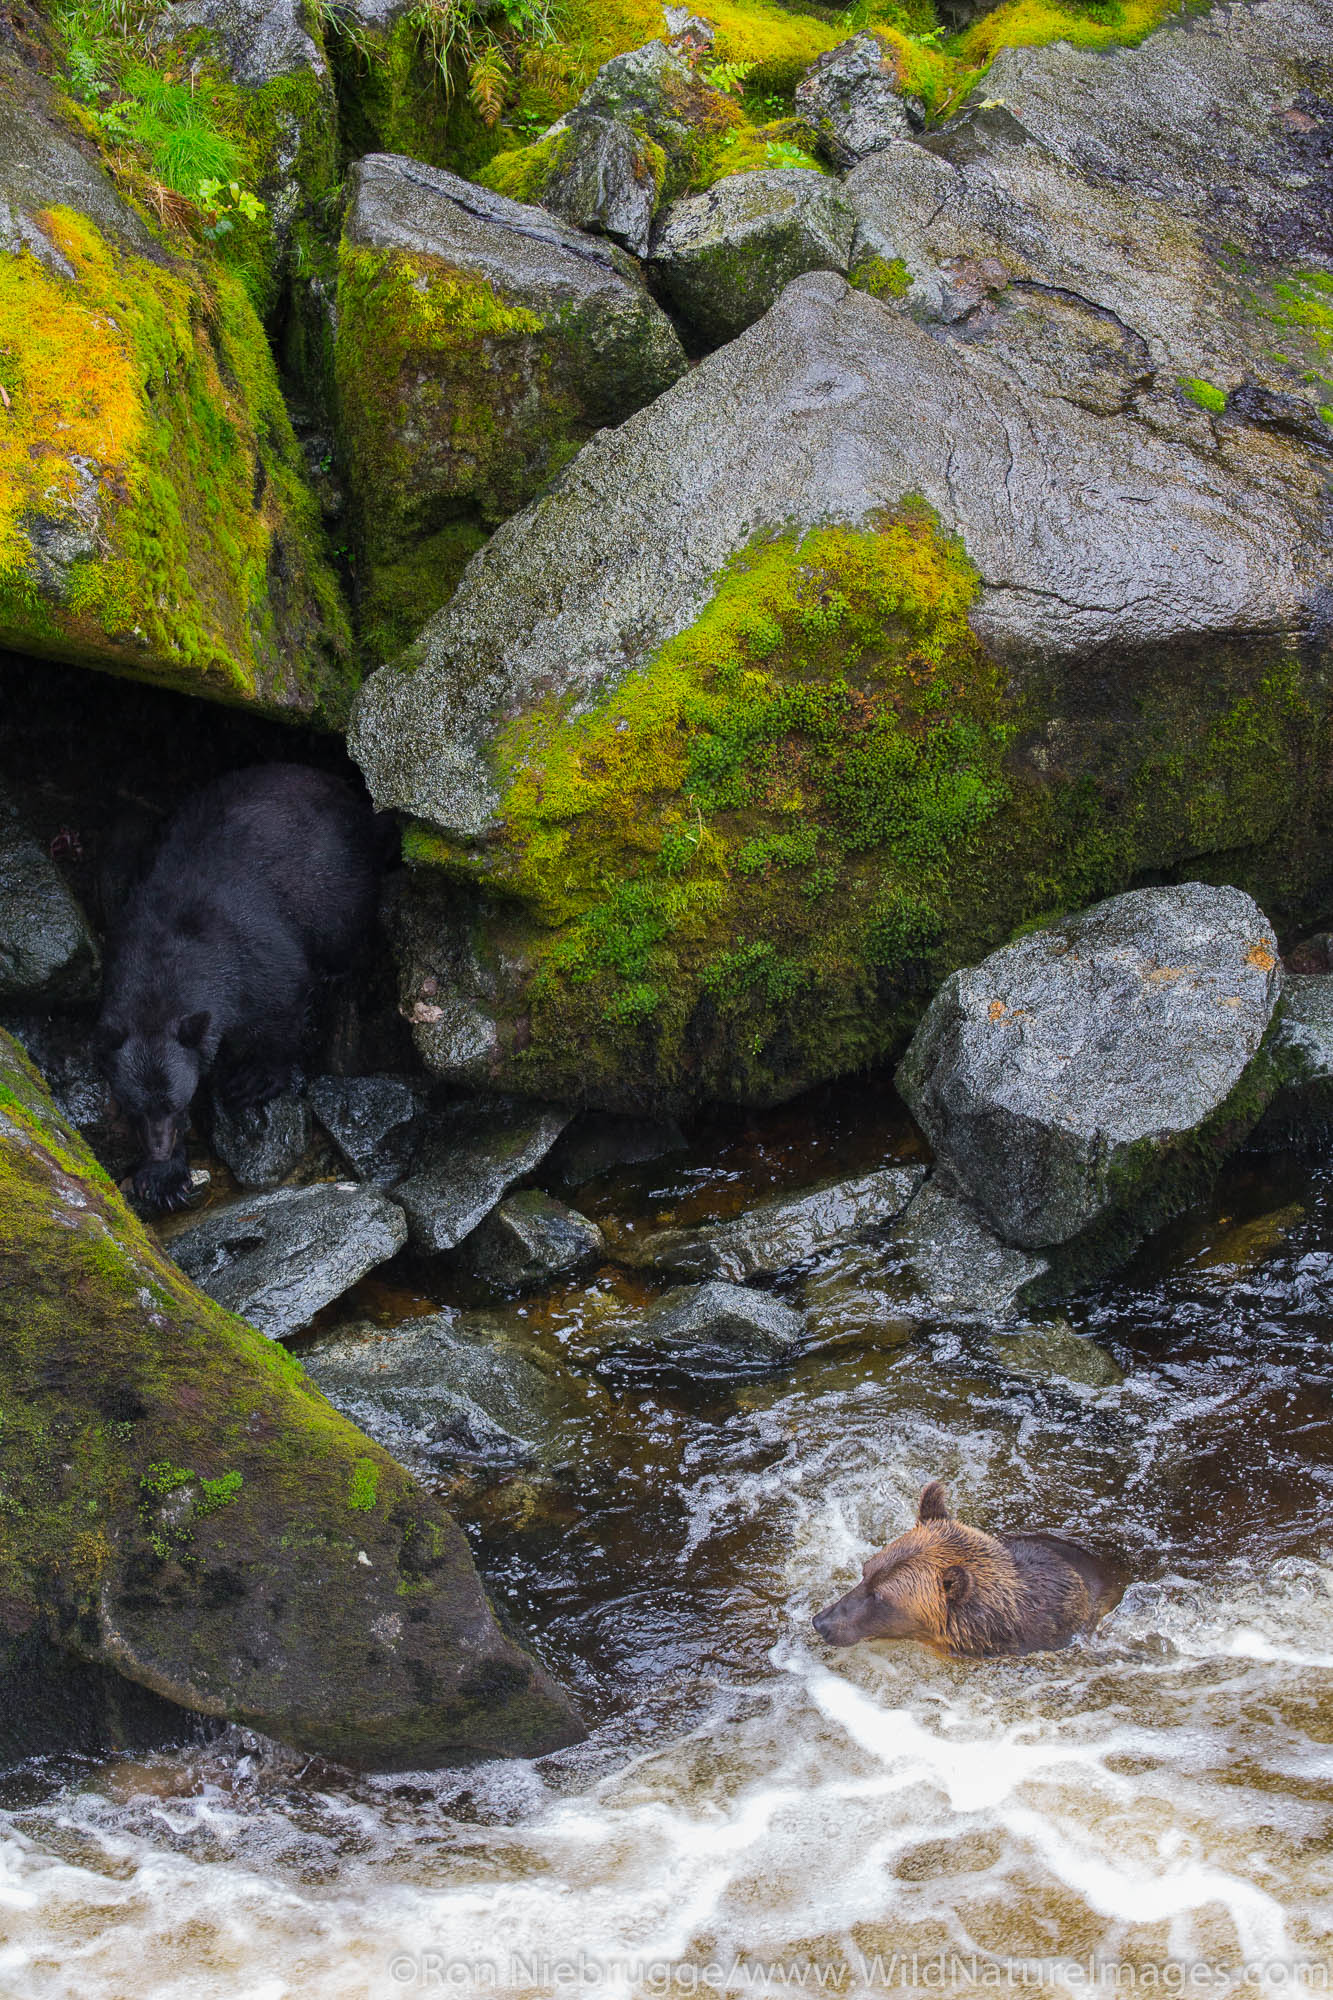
{"x":1087,"y":24}
{"x":882,"y":277}
{"x":1204,"y":394}
{"x":143,"y":401}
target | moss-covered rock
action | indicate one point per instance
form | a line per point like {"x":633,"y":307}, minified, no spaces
{"x":479,"y":344}
{"x":154,"y":517}
{"x":178,"y":1502}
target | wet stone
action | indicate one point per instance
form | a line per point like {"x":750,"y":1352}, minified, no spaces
{"x":717,"y":1331}
{"x":602,"y":179}
{"x":277,"y":1259}
{"x":530,"y":1238}
{"x":1302,"y":1108}
{"x":1054,"y":1352}
{"x":443,"y":1390}
{"x":851,"y":98}
{"x":778,"y":1234}
{"x":46,"y":948}
{"x":374,"y":1121}
{"x":477,"y":1150}
{"x":264,"y":1143}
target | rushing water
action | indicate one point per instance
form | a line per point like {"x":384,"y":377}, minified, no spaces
{"x":1149,"y":1811}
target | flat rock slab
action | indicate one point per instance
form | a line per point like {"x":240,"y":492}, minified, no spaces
{"x":723,"y":256}
{"x":717,"y":1332}
{"x":263,"y":1145}
{"x":447,"y":1389}
{"x":852,"y":99}
{"x":278,"y":1258}
{"x":476,"y":1152}
{"x":47,"y":951}
{"x":374,"y":1121}
{"x":778,"y":1234}
{"x":1064,"y":1078}
{"x":529,"y":1239}
{"x":941,"y":1261}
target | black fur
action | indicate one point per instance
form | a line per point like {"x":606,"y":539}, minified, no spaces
{"x":262,"y":884}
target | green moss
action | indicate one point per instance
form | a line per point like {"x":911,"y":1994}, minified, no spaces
{"x":145,"y":390}
{"x":1203,"y":393}
{"x":363,"y":1486}
{"x":882,"y":277}
{"x":522,"y":172}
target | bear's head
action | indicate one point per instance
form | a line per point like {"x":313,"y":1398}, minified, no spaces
{"x":154,"y":1076}
{"x":932,"y":1584}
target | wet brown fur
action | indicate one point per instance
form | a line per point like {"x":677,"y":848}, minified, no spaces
{"x":969,"y":1594}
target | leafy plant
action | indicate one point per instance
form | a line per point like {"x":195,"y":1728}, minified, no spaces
{"x":727,"y":76}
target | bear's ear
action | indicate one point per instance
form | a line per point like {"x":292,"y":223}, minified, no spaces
{"x":956,"y":1583}
{"x":107,"y":1038}
{"x":191,"y":1030}
{"x":932,"y":1505}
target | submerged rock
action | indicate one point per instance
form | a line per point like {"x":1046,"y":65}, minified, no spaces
{"x":183,"y":1507}
{"x":728,"y":750}
{"x":1054,"y":1352}
{"x":786,"y":1230}
{"x":374,"y":1121}
{"x":718,"y":1332}
{"x":479,"y":342}
{"x":852,"y":98}
{"x":266,"y":1143}
{"x":476,"y":1152}
{"x":47,"y":952}
{"x":530,"y":1238}
{"x":1086,"y":1081}
{"x":277,"y":1259}
{"x":159,"y":523}
{"x":723,"y":256}
{"x":447,"y":1389}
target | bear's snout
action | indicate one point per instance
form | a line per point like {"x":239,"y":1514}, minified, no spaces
{"x":159,"y":1138}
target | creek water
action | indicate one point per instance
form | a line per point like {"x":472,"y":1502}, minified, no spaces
{"x":1150,"y":1810}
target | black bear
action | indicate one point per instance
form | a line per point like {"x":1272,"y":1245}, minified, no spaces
{"x":262,"y":884}
{"x":965,"y":1592}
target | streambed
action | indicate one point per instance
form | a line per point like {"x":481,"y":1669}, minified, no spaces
{"x":1151,"y":1810}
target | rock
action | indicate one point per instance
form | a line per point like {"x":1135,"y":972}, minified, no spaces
{"x":959,"y":712}
{"x":374,"y":1121}
{"x":942,"y":1260}
{"x":723,"y":256}
{"x":602,"y":176}
{"x":476,"y":1152}
{"x":479,"y":342}
{"x":529,"y":1239}
{"x":1090,"y":1077}
{"x":182,"y":1507}
{"x":851,"y":97}
{"x":59,"y":1047}
{"x":52,"y":1705}
{"x":265,"y":1144}
{"x":784,"y":1231}
{"x":443,"y":1390}
{"x":1055,"y":1351}
{"x":1301,"y":1110}
{"x":261,"y":40}
{"x":598,"y":1142}
{"x":277,"y":1259}
{"x":168,"y":532}
{"x":718,"y":1332}
{"x":47,"y":952}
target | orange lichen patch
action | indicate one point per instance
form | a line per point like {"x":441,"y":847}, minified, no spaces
{"x":1164,"y":975}
{"x":1259,"y":955}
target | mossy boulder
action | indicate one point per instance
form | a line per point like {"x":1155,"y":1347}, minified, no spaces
{"x":154,"y":516}
{"x":871,"y":641}
{"x":479,"y":343}
{"x":854,"y":100}
{"x":178,"y":1502}
{"x":723,"y":256}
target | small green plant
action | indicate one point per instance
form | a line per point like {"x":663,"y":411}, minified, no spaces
{"x":1204,"y":394}
{"x":221,"y":204}
{"x":727,"y":76}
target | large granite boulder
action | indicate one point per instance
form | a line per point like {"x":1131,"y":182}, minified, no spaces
{"x":156,"y":520}
{"x":47,"y":952}
{"x":479,"y":342}
{"x":852,"y":97}
{"x":183,"y":1507}
{"x":1086,"y":1081}
{"x":723,"y":256}
{"x":871,"y":640}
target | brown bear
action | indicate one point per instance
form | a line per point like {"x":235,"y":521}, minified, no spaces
{"x":967,"y":1593}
